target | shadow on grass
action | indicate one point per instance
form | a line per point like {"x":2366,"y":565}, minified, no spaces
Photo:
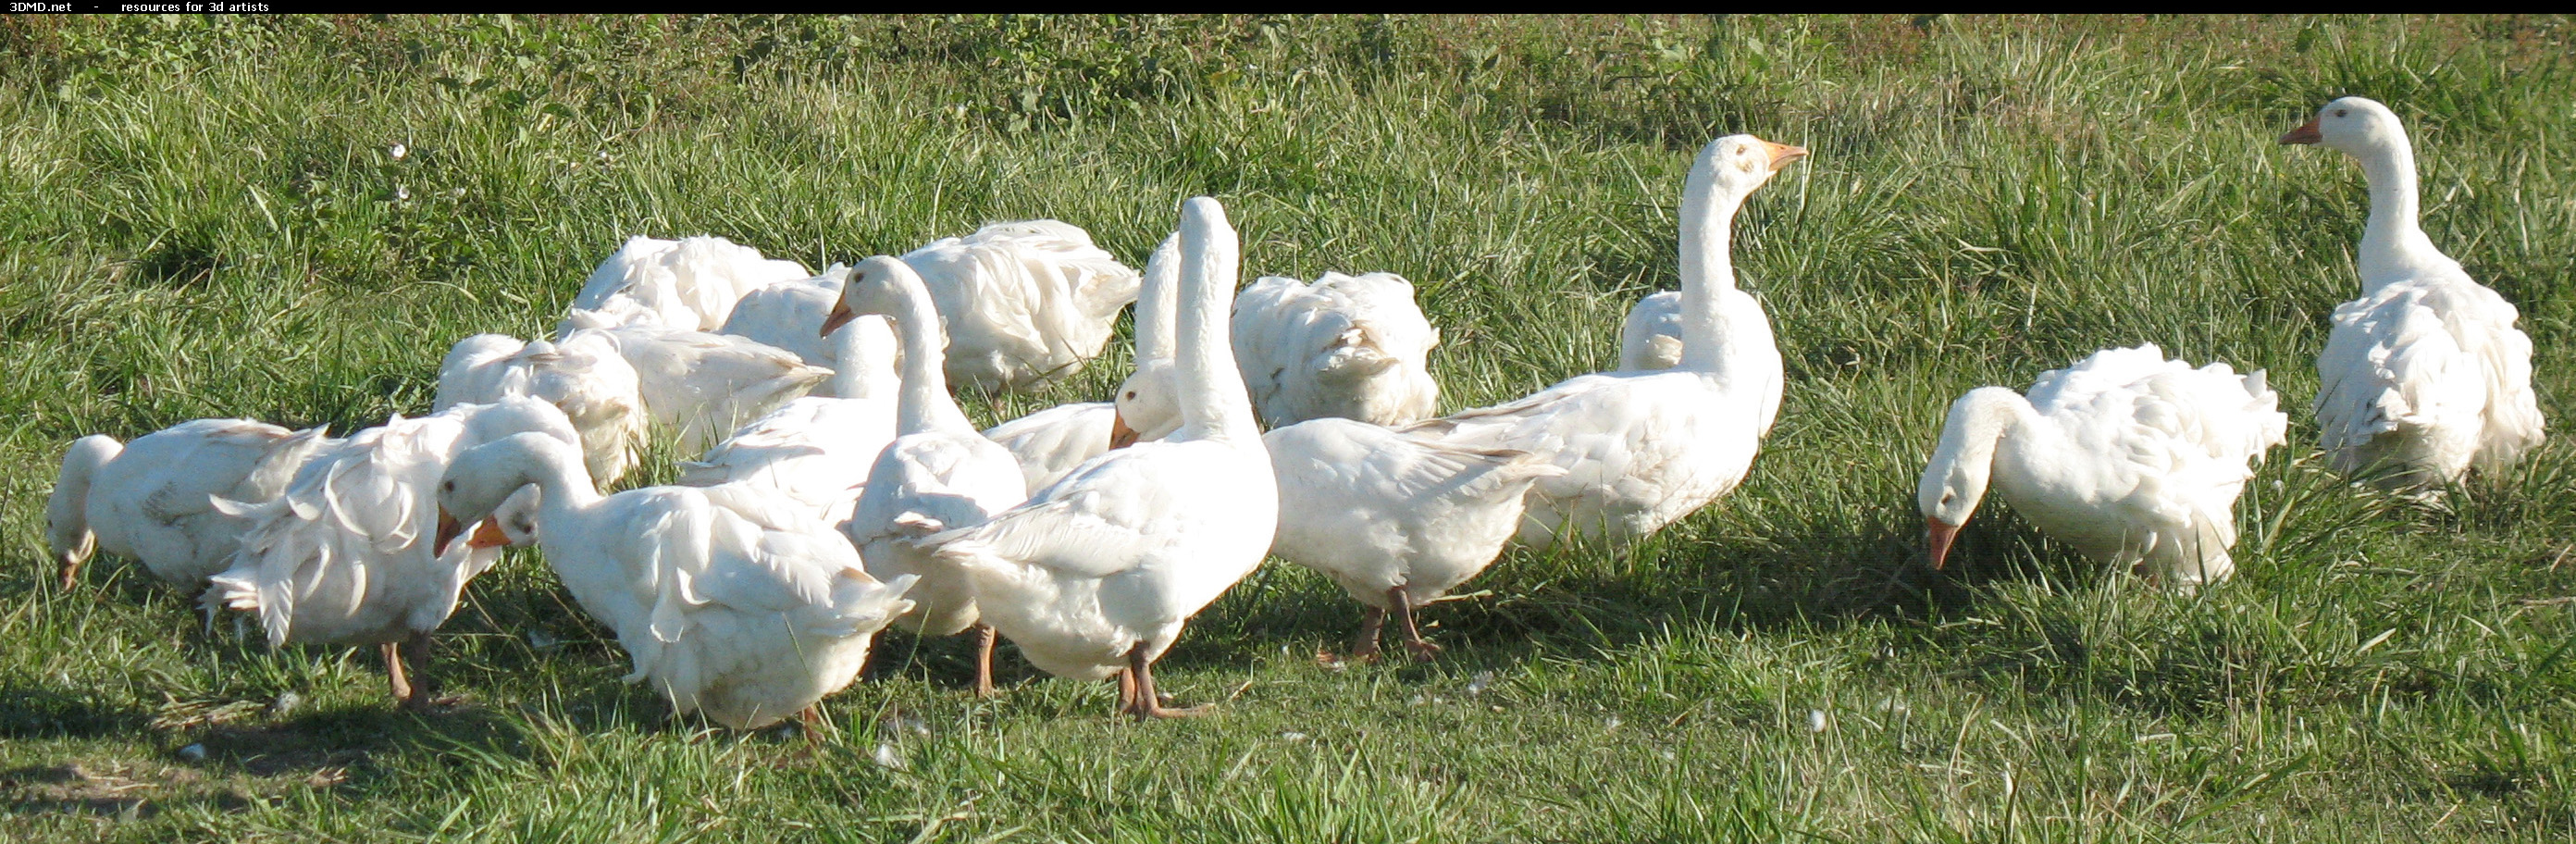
{"x":31,"y":711}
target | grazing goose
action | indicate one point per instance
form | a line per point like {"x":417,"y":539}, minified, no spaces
{"x":937,"y":474}
{"x":690,"y":284}
{"x":1096,"y":576}
{"x":2133,"y":459}
{"x":731,"y":599}
{"x":1641,"y":449}
{"x":1023,"y":303}
{"x":153,"y":500}
{"x":1355,"y":347}
{"x":1397,"y":519}
{"x":2425,"y":375}
{"x":816,"y":449}
{"x":343,"y":555}
{"x":581,"y":373}
{"x":1051,"y":442}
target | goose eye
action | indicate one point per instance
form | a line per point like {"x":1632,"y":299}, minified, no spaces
{"x":1131,"y":394}
{"x":2341,"y":112}
{"x":450,"y":486}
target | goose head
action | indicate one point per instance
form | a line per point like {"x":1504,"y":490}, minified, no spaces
{"x":1148,"y":405}
{"x":1736,"y":164}
{"x":1955,"y":480}
{"x":2353,"y":125}
{"x":493,"y":484}
{"x":878,"y":286}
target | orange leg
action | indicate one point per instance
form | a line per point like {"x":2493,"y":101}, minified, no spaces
{"x":1422,"y":651}
{"x":1148,"y":704}
{"x":984,"y":638}
{"x":394,"y":672}
{"x":1364,"y":645}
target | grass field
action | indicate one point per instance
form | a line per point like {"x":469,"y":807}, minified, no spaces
{"x":203,"y":218}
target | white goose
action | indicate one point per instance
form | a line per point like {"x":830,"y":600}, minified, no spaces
{"x":816,"y":449}
{"x":2133,"y":459}
{"x":702,"y":386}
{"x":1050,"y":442}
{"x":689,"y":284}
{"x":1397,"y":519}
{"x":1641,"y":449}
{"x":581,"y":373}
{"x":1023,"y":302}
{"x":937,"y":474}
{"x":2425,"y":375}
{"x":153,"y":500}
{"x":1097,"y":575}
{"x":1356,"y":347}
{"x":730,"y":599}
{"x":343,"y":555}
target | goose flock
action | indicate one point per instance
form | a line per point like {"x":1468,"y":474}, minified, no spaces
{"x":839,"y":489}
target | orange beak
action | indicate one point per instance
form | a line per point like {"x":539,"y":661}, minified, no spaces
{"x":1782,"y":154}
{"x":1938,"y":534}
{"x":1120,"y":436}
{"x":2306,"y":134}
{"x":488,"y":535}
{"x":448,"y":529}
{"x":841,"y":315}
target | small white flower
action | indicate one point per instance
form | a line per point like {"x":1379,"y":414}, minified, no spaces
{"x":888,"y":759}
{"x":1293,"y":735}
{"x":402,"y":194}
{"x":1476,"y":685}
{"x":1815,"y":720}
{"x":398,"y":151}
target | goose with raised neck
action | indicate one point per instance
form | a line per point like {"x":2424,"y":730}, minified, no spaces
{"x":1096,"y":576}
{"x":938,"y":474}
{"x":2425,"y":375}
{"x":1642,"y":449}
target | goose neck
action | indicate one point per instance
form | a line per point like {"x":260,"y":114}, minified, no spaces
{"x":865,"y":352}
{"x":1157,"y":310}
{"x":2393,"y":238}
{"x":1213,"y":402}
{"x":559,"y":474}
{"x":922,"y":404}
{"x":1707,"y":270}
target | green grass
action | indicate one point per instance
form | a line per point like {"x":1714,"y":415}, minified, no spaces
{"x":201,"y":218}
